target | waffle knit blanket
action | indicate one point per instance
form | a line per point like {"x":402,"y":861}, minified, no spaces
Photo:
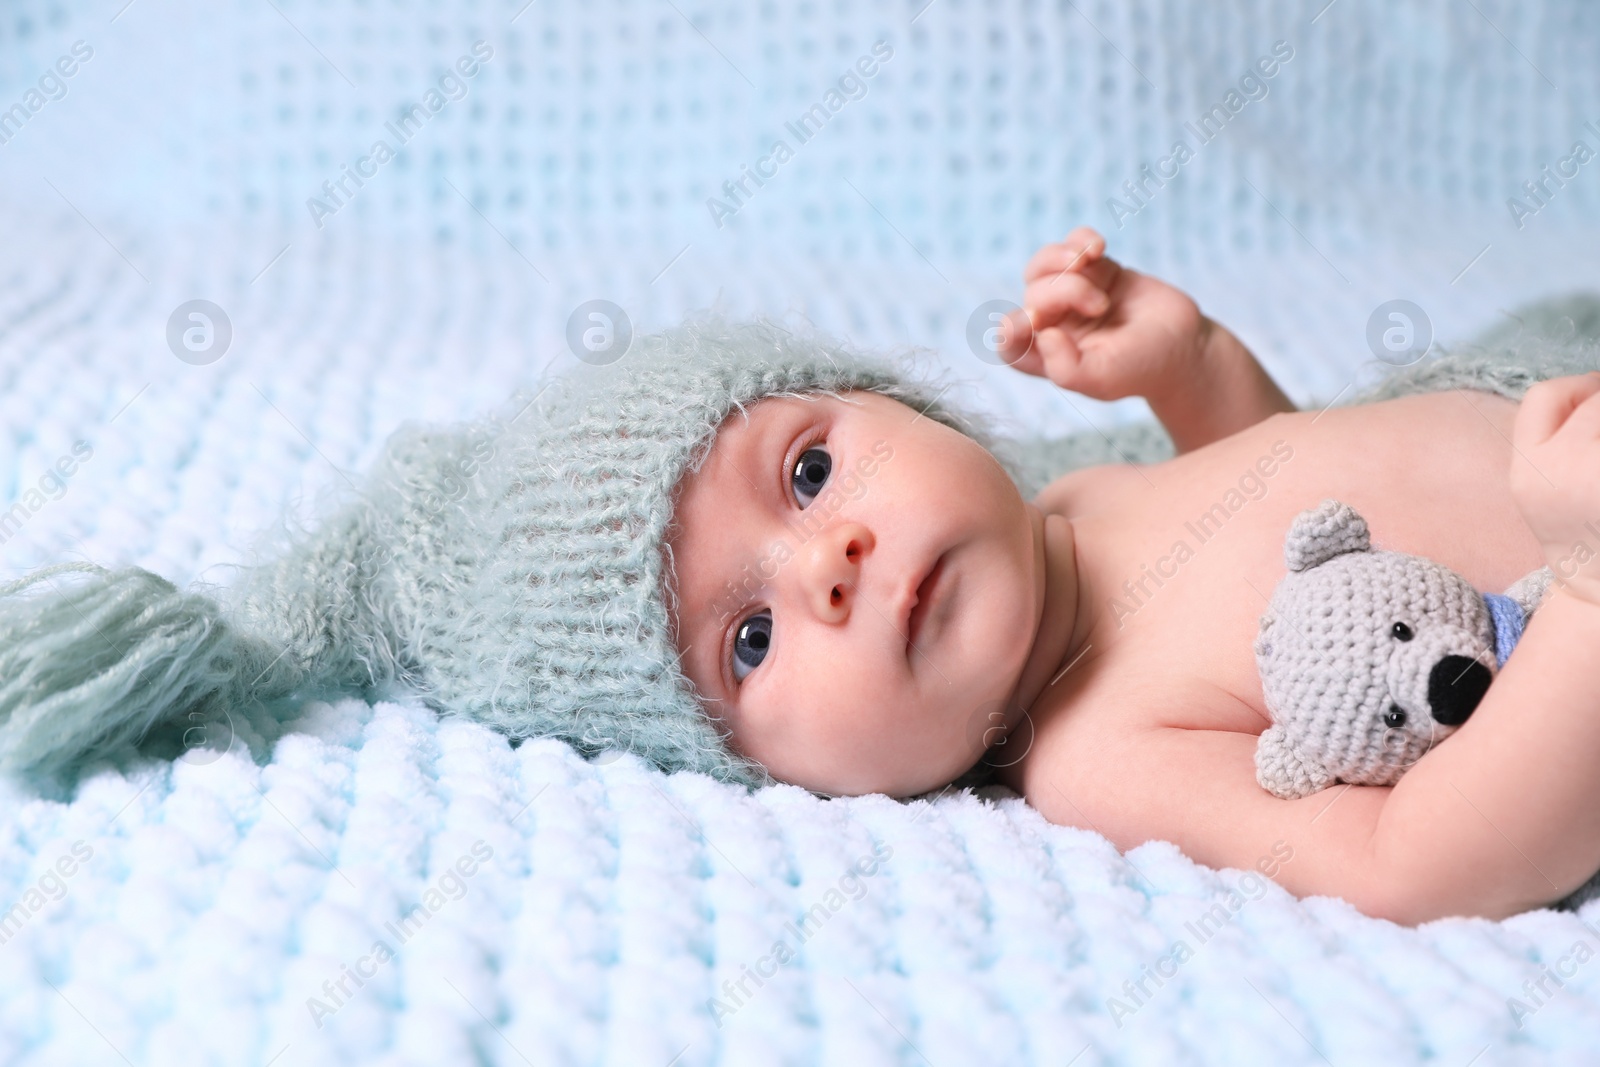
{"x":378,"y":886}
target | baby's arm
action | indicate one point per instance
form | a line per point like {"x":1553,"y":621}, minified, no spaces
{"x":1100,"y":329}
{"x":1503,"y":816}
{"x":1512,"y":800}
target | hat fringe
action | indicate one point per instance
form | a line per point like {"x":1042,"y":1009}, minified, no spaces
{"x":93,"y":664}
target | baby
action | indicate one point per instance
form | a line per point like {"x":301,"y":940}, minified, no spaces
{"x":1097,"y":640}
{"x":757,"y":555}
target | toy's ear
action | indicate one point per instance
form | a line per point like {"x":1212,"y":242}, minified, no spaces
{"x":1529,"y":591}
{"x":1327,"y":530}
{"x":1262,"y":646}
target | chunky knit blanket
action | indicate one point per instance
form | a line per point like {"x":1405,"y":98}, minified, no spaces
{"x":380,"y":886}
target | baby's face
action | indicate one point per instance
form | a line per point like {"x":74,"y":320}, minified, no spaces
{"x":857,"y":592}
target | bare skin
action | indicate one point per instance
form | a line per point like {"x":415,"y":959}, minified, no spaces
{"x":1120,"y":663}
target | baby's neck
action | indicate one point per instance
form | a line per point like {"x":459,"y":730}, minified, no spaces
{"x":1062,"y":625}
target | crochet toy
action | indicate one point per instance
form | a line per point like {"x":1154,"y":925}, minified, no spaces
{"x":1370,"y":658}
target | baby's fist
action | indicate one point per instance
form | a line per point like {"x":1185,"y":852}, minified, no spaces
{"x":1555,"y":477}
{"x":1093,"y":326}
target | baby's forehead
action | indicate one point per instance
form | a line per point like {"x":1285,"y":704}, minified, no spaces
{"x":736,"y":470}
{"x":744,"y":435}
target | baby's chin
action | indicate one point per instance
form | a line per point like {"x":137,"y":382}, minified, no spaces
{"x":894,"y":786}
{"x":933,"y":748}
{"x":925,"y":779}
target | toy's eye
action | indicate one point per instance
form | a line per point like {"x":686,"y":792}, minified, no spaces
{"x":1401,"y":632}
{"x":811,"y":474}
{"x":751,"y":642}
{"x":1395,"y":717}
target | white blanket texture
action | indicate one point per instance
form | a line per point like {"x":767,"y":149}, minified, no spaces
{"x":378,"y":886}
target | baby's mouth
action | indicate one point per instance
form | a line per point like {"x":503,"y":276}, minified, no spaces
{"x":924,"y":603}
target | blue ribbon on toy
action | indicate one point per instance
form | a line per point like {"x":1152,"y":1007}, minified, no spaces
{"x":1508,"y":619}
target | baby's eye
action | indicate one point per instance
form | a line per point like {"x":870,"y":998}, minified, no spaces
{"x":811,"y":474}
{"x":750,"y":643}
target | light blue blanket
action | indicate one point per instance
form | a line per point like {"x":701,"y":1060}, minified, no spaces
{"x":379,"y":886}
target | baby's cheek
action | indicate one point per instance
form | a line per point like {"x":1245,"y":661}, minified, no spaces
{"x":1001,"y":624}
{"x":857,"y":718}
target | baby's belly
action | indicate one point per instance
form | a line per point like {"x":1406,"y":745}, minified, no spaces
{"x":1181,"y":557}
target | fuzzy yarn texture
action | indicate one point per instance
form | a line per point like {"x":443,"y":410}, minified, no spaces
{"x":510,"y":570}
{"x":563,"y":629}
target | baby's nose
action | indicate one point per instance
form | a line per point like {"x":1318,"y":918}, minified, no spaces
{"x":1455,"y":686}
{"x":833,"y":568}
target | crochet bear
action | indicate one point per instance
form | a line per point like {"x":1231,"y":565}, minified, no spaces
{"x":1369,"y":658}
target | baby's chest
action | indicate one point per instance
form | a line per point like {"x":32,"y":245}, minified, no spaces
{"x":1179,"y":570}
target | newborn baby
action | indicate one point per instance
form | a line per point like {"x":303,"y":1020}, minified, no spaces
{"x":1100,"y":635}
{"x":757,"y":555}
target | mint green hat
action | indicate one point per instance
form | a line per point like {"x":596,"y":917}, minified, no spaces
{"x":510,"y":570}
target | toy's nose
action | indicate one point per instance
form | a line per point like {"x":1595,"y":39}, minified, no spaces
{"x":1455,"y":686}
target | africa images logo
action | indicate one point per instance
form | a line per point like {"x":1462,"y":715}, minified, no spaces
{"x":52,"y":85}
{"x":402,"y":128}
{"x":52,"y":486}
{"x":852,"y":85}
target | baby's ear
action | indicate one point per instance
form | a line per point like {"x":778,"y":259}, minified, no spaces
{"x":1330,"y":529}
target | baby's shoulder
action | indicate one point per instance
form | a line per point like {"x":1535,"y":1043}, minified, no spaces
{"x":1088,"y":490}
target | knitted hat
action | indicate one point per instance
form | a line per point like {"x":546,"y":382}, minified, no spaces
{"x":510,"y":570}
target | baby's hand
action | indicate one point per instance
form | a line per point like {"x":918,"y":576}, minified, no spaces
{"x":1101,"y":329}
{"x":1555,"y":477}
